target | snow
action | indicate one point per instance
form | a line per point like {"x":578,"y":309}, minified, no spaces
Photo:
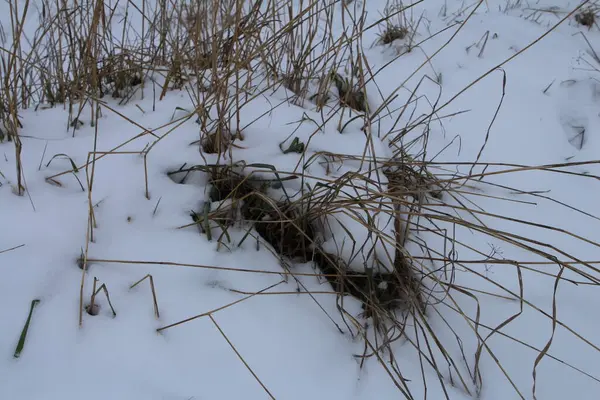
{"x":289,"y":339}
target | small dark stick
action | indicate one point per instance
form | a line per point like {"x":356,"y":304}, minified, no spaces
{"x":21,"y":343}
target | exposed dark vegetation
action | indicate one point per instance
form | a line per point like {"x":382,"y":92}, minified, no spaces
{"x":292,"y":233}
{"x":587,"y":17}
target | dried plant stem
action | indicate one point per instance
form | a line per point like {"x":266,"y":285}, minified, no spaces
{"x":240,"y":356}
{"x":218,"y":309}
{"x":155,"y":302}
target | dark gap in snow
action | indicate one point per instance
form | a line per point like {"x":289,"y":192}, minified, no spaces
{"x":293,"y":234}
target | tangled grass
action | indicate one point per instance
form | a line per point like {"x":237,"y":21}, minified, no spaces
{"x":225,"y":54}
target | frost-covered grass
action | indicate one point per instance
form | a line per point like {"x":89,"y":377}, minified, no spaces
{"x":294,"y":199}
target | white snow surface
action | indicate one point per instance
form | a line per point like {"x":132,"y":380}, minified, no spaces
{"x":287,"y":340}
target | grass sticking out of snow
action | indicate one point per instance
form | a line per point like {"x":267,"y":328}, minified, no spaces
{"x":262,"y":146}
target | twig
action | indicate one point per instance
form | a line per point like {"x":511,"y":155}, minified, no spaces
{"x":12,"y":248}
{"x":149,"y":277}
{"x":240,"y":357}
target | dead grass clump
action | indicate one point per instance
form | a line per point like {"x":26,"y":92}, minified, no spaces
{"x":398,"y":25}
{"x":120,"y":74}
{"x":350,"y":96}
{"x":409,"y":179}
{"x":282,"y":225}
{"x":292,"y":232}
{"x":226,"y":183}
{"x":392,"y":33}
{"x":380,"y":293}
{"x":587,"y":17}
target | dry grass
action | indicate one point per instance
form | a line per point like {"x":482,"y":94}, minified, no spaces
{"x":224,"y":55}
{"x":588,"y":16}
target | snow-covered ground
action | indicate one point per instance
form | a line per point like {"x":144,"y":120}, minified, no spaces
{"x":290,"y":340}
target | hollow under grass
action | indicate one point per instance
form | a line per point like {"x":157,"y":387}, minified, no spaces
{"x":291,"y":230}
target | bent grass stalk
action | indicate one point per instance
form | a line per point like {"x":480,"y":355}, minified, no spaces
{"x":23,"y":336}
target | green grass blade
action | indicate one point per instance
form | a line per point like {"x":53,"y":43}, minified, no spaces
{"x":21,"y":343}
